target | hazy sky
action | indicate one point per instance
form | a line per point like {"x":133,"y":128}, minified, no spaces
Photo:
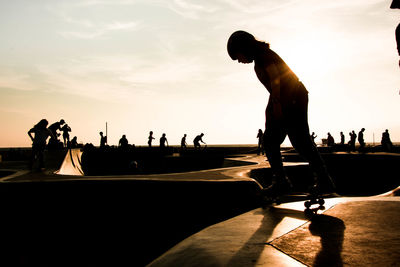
{"x":161,"y":65}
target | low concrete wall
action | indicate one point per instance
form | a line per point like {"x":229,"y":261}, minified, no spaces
{"x":355,"y":174}
{"x":110,"y":222}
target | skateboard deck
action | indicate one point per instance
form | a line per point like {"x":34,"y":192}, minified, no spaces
{"x":312,"y":202}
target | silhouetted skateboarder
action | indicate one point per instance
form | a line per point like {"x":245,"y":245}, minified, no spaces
{"x":53,"y":142}
{"x":163,"y":141}
{"x":66,"y":129}
{"x":197,"y":141}
{"x":183,"y":142}
{"x":151,"y":138}
{"x":286,"y":112}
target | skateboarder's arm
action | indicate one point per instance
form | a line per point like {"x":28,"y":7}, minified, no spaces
{"x":30,"y":133}
{"x":273,"y":74}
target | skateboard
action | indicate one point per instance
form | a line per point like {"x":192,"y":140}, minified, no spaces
{"x":313,"y":205}
{"x":312,"y":202}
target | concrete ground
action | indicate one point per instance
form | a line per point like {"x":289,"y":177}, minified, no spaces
{"x":355,"y":231}
{"x":352,"y":231}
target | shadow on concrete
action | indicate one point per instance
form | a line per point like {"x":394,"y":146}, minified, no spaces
{"x":331,"y":231}
{"x":255,"y":245}
{"x":304,"y":245}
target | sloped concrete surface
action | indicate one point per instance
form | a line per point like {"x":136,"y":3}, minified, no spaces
{"x":352,"y":232}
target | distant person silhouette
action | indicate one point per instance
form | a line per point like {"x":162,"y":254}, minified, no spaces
{"x":352,"y":142}
{"x":41,"y":133}
{"x":361,"y":139}
{"x":386,"y":142}
{"x":197,"y":140}
{"x":163,"y":141}
{"x":342,"y":138}
{"x":286,"y":112}
{"x":74,"y":142}
{"x":151,"y":138}
{"x":66,"y":129}
{"x":123,"y":142}
{"x":331,"y":140}
{"x":260,"y":147}
{"x":103,"y":140}
{"x":313,"y":136}
{"x":183,"y":142}
{"x":54,"y":128}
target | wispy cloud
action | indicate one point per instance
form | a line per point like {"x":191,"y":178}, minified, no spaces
{"x":98,"y":31}
{"x":17,"y":81}
{"x":254,"y":6}
{"x":191,"y":9}
{"x":86,"y":3}
{"x":121,"y":78}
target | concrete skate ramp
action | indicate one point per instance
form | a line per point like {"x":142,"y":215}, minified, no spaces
{"x":141,"y":161}
{"x":360,"y":233}
{"x":72,"y":163}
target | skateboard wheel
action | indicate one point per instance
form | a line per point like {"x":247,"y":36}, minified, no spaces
{"x":321,"y":201}
{"x":307,"y":204}
{"x":322,"y":207}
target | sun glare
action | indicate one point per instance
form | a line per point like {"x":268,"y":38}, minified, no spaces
{"x":308,"y":58}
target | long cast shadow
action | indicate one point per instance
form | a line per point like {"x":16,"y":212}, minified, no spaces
{"x":331,"y":231}
{"x":256,"y":243}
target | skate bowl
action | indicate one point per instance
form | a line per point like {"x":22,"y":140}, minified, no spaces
{"x":111,"y":222}
{"x":97,"y":162}
{"x":123,"y":220}
{"x":117,"y":220}
{"x":354,"y":174}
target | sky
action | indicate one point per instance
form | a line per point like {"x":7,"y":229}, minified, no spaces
{"x":158,"y":65}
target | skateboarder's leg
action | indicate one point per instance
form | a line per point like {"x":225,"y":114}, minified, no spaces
{"x":274,"y":135}
{"x":299,"y":135}
{"x":304,"y":146}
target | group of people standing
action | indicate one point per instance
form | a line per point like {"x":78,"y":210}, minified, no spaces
{"x":330,"y":141}
{"x":39,"y":134}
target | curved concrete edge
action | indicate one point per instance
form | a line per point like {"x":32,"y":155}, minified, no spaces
{"x":236,"y":173}
{"x":241,"y":241}
{"x":16,"y":173}
{"x":391,"y":193}
{"x":71,"y":164}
